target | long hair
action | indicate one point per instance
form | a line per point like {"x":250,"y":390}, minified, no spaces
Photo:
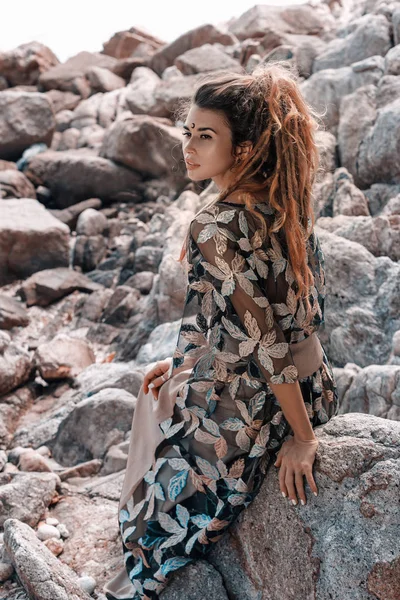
{"x":267,"y":108}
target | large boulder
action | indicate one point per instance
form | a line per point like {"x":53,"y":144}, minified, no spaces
{"x":26,"y":118}
{"x":12,"y":313}
{"x":205,"y":34}
{"x":370,"y":36}
{"x":15,"y":366}
{"x":148,"y":145}
{"x":75,"y":175}
{"x":70,"y":76}
{"x":323,"y":549}
{"x":31,"y":239}
{"x":208,"y":57}
{"x":43,"y":576}
{"x":125,"y":44}
{"x":23,"y":65}
{"x":95,"y":424}
{"x":14,"y":184}
{"x":63,"y":356}
{"x":25,"y":496}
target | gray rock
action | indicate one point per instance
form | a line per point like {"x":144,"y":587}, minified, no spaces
{"x":95,"y":424}
{"x":103,"y":80}
{"x":75,"y":175}
{"x":50,"y":285}
{"x":12,"y":313}
{"x":63,"y":356}
{"x":116,"y":458}
{"x":15,"y":368}
{"x":24,"y":64}
{"x":25,"y":496}
{"x":370,"y":36}
{"x":43,"y":576}
{"x":45,"y":532}
{"x":38,"y":240}
{"x":26,"y":118}
{"x":357,"y":475}
{"x":208,"y":57}
{"x":91,"y":222}
{"x":89,"y":251}
{"x":70,"y":215}
{"x":14,"y":184}
{"x":140,"y":91}
{"x":195,"y":581}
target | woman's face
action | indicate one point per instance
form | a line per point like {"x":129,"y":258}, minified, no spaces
{"x":207,"y":144}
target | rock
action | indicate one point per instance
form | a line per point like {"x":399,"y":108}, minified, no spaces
{"x":348,"y":199}
{"x":357,"y":463}
{"x":303,"y":19}
{"x":208,"y":57}
{"x":91,"y":222}
{"x":205,"y":34}
{"x":124,"y":303}
{"x":63,"y":100}
{"x":6,"y":570}
{"x":70,"y":76}
{"x":70,"y":215}
{"x":56,"y":546}
{"x":63,"y":530}
{"x":87,"y":583}
{"x":63,"y":356}
{"x":25,"y":496}
{"x":116,"y":458}
{"x":27,"y":118}
{"x":392,"y":61}
{"x":83,"y":175}
{"x":43,"y":576}
{"x":103,"y":80}
{"x":44,"y":532}
{"x":37,"y":239}
{"x":123,"y":44}
{"x":160,"y":344}
{"x":139,"y":96}
{"x":50,"y":285}
{"x":30,"y":460}
{"x":371,"y":390}
{"x":12,"y":313}
{"x":324,"y":90}
{"x":142,"y":281}
{"x":15,"y":368}
{"x":364,"y":302}
{"x":24,"y":64}
{"x":200,"y":579}
{"x":14,"y":184}
{"x":52,"y":521}
{"x":97,"y":377}
{"x":89,"y":251}
{"x":85,"y":469}
{"x":170,"y":91}
{"x":146,"y":144}
{"x":370,"y":36}
{"x":380,"y":235}
{"x":95,"y":424}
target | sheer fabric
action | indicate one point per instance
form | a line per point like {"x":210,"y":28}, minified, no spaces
{"x":225,"y":425}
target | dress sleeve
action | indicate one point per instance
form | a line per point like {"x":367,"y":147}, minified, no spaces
{"x":249,"y":279}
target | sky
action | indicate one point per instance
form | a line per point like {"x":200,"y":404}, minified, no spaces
{"x":70,"y":27}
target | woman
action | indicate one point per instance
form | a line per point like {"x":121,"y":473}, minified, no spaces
{"x":249,"y":376}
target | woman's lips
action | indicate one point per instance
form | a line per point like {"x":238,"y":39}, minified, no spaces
{"x":191,"y":165}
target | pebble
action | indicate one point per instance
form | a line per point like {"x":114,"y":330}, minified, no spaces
{"x":6,"y":570}
{"x":52,"y":521}
{"x":87,"y":584}
{"x":46,"y":532}
{"x":63,"y":530}
{"x":54,"y":545}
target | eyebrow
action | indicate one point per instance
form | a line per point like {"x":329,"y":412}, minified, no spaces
{"x":200,"y":128}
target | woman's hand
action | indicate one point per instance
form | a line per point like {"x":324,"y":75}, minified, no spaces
{"x":156,"y":377}
{"x":295,"y":459}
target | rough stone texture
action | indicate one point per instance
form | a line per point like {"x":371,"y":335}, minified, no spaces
{"x":31,"y":240}
{"x":202,"y":580}
{"x":14,"y":184}
{"x":103,"y":80}
{"x":63,"y":356}
{"x":357,"y":472}
{"x":25,"y":496}
{"x":24,"y":64}
{"x":12,"y":313}
{"x":15,"y":368}
{"x":50,"y":285}
{"x":43,"y":576}
{"x":27,"y":118}
{"x":95,"y":424}
{"x":208,"y":57}
{"x":123,"y":44}
{"x":75,"y":175}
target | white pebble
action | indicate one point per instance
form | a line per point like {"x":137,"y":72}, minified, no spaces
{"x":87,"y":584}
{"x":45,"y":532}
{"x":52,"y":521}
{"x":63,"y":530}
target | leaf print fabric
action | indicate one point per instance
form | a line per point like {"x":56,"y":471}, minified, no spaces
{"x":240,"y":316}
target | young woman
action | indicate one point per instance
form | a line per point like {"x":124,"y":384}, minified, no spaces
{"x":249,"y":376}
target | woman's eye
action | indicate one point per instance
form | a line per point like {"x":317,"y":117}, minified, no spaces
{"x":187,"y":133}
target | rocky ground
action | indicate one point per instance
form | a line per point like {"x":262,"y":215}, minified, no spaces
{"x":94,"y":202}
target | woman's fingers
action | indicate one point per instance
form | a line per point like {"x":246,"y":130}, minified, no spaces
{"x":282,"y":484}
{"x":311,"y":481}
{"x":289,"y":481}
{"x":298,"y":477}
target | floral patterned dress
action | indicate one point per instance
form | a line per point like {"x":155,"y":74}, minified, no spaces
{"x":240,"y":317}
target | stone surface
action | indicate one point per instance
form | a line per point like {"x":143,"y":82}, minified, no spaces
{"x":43,"y":576}
{"x":14,"y":184}
{"x":24,"y":64}
{"x":31,"y":240}
{"x":12,"y":313}
{"x":27,"y":118}
{"x":25,"y":496}
{"x":64,"y":356}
